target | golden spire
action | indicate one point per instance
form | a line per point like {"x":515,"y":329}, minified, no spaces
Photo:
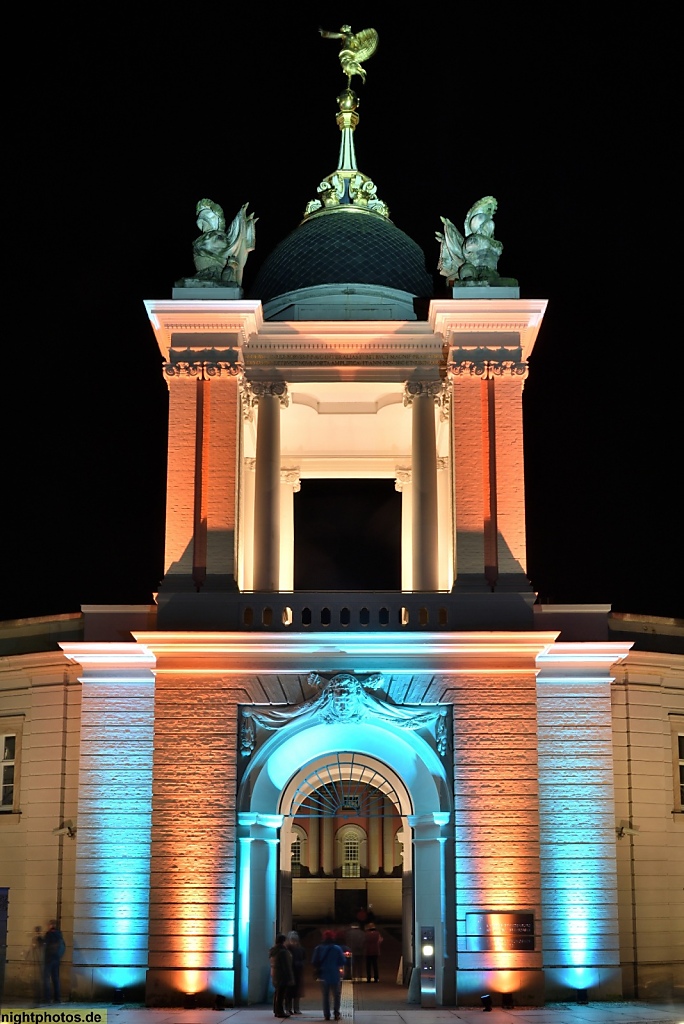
{"x":347,"y":188}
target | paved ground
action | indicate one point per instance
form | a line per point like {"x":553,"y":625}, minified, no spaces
{"x":385,"y":1004}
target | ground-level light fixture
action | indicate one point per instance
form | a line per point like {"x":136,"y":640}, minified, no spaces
{"x":486,"y":1003}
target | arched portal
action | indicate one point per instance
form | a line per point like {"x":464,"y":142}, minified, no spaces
{"x":405,"y":767}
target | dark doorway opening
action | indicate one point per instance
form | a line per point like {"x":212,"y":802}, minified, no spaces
{"x":347,"y":535}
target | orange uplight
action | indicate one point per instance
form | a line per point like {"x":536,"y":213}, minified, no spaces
{"x":191,"y":982}
{"x":505,"y":981}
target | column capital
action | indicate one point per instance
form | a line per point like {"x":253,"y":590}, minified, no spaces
{"x":261,"y":826}
{"x":438,"y":390}
{"x":415,"y":388}
{"x":253,"y":390}
{"x":428,"y":827}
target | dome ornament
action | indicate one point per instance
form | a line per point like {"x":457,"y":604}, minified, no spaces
{"x":347,"y":188}
{"x":353,"y":49}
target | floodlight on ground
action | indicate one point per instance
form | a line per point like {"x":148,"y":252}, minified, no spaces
{"x":190,"y":1001}
{"x":582,"y":997}
{"x":507,"y":1001}
{"x":486,"y":1003}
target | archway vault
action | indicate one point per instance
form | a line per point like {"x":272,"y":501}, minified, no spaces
{"x":345,"y":785}
{"x":397,"y":759}
{"x":403,"y":758}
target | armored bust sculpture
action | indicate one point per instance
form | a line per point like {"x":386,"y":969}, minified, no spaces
{"x":220,"y":255}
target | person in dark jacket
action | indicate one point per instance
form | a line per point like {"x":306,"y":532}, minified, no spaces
{"x":296,"y":991}
{"x":53,"y":950}
{"x":282,"y":974}
{"x":328,"y":964}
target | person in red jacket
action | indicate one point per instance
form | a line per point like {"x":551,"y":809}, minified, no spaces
{"x":372,"y":944}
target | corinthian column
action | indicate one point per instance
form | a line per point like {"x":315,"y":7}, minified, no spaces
{"x":269,"y":397}
{"x":421,"y":396}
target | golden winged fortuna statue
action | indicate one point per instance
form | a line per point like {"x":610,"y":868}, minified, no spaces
{"x":354,"y":49}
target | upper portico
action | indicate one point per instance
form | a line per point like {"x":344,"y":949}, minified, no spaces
{"x":328,"y":370}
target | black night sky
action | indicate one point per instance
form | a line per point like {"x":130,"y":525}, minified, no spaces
{"x":127,"y":116}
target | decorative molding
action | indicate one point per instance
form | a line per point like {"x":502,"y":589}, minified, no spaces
{"x":403,"y":476}
{"x":342,"y":698}
{"x":203,"y":369}
{"x":488,"y":369}
{"x":291,"y":475}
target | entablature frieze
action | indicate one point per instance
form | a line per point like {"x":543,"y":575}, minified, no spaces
{"x":227,"y":332}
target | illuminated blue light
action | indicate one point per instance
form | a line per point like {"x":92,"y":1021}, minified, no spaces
{"x":577,"y":838}
{"x":114,"y":830}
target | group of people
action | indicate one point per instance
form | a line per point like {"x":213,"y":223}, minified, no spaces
{"x":287,"y":974}
{"x":47,"y":950}
{"x":329,"y":960}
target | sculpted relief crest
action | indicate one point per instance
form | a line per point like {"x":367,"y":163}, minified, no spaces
{"x":342,"y":698}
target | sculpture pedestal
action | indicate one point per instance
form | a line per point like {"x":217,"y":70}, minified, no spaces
{"x":209,"y":292}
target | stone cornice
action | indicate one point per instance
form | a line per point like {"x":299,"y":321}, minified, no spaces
{"x":245,"y":653}
{"x":453,"y":319}
{"x":194,"y":318}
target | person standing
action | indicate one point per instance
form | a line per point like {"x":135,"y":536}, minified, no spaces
{"x":296,"y":991}
{"x":355,"y":939}
{"x":281,"y":974}
{"x":328,"y":964}
{"x":36,"y":954}
{"x":53,"y":950}
{"x":372,"y":943}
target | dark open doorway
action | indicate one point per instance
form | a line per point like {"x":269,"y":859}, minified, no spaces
{"x":347,"y":535}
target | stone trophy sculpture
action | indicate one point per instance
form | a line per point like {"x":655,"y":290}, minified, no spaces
{"x":473,"y":259}
{"x":220,"y":255}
